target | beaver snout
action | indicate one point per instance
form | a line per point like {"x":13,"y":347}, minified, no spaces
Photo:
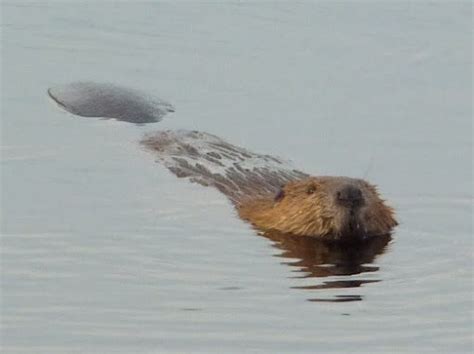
{"x":350,"y":196}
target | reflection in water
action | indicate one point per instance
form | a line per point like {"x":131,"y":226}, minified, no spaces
{"x":339,"y":298}
{"x":318,"y":259}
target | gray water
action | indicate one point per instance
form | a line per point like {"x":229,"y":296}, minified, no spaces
{"x":102,"y":250}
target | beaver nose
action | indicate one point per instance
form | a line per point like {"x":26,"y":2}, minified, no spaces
{"x":350,"y":196}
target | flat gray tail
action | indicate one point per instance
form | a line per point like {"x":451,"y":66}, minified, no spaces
{"x":210,"y":161}
{"x":105,"y":100}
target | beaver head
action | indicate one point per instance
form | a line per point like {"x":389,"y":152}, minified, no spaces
{"x":337,"y":208}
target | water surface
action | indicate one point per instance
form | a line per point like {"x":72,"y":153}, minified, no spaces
{"x":104,"y":251}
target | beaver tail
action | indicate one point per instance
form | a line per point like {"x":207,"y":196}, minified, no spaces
{"x":105,"y":100}
{"x":210,"y":161}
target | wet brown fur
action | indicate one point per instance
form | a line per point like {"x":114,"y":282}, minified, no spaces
{"x":308,"y":207}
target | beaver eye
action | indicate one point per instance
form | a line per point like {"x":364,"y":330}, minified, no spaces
{"x":311,"y":189}
{"x":280,"y":195}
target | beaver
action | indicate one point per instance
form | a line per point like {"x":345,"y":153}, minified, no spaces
{"x":268,"y":193}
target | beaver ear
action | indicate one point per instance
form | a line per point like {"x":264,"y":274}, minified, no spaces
{"x":280,"y":195}
{"x":311,"y":189}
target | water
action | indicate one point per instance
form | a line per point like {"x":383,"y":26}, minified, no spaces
{"x":104,"y":251}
